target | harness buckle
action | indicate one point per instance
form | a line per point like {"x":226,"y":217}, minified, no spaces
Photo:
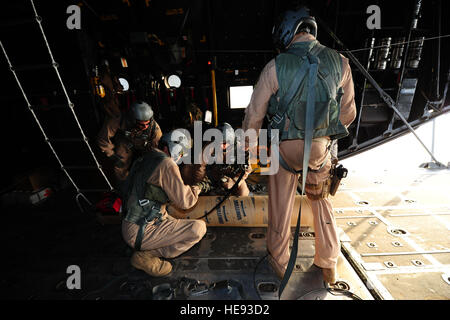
{"x":144,"y":202}
{"x":277,"y":118}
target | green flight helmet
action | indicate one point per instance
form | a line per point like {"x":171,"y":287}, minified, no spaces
{"x":290,"y":23}
{"x":142,"y":111}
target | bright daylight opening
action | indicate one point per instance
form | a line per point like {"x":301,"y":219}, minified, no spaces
{"x":406,"y":152}
{"x":240,"y":96}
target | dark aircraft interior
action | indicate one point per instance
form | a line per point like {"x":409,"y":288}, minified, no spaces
{"x":127,"y":50}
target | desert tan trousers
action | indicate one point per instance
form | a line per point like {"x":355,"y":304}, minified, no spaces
{"x":282,"y":190}
{"x":168,"y":239}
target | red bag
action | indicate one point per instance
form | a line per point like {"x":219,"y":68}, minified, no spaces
{"x":110,"y":204}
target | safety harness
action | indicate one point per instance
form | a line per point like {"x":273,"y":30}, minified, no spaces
{"x":310,"y":69}
{"x":278,"y":120}
{"x":142,"y":200}
{"x":152,"y":210}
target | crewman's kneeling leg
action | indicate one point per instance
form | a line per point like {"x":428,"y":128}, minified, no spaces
{"x":181,"y":235}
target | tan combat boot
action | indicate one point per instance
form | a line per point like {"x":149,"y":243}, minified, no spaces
{"x":152,"y":265}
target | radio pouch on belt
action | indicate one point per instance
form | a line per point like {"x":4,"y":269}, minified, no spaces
{"x":337,"y":174}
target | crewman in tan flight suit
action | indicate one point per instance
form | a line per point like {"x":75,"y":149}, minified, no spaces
{"x":126,"y":137}
{"x":153,"y":182}
{"x":217,"y":175}
{"x":225,"y":175}
{"x":298,"y":30}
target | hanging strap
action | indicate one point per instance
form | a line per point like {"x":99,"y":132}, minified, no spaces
{"x":140,"y":171}
{"x":153,"y":209}
{"x":309,"y":128}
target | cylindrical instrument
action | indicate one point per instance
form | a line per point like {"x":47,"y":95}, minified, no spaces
{"x":251,"y":211}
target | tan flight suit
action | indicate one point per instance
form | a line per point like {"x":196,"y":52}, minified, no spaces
{"x":282,"y":185}
{"x":171,"y":237}
{"x":104,"y":140}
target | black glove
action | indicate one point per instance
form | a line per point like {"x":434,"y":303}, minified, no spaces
{"x":117,"y":161}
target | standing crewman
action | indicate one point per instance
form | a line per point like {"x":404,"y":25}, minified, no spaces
{"x":129,"y":136}
{"x":153,"y":182}
{"x":334,"y":110}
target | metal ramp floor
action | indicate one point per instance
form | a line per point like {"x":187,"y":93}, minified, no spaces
{"x":395,"y":231}
{"x":234,"y":257}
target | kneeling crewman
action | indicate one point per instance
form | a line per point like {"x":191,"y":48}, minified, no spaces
{"x":127,"y":137}
{"x":225,"y":175}
{"x":154,"y":181}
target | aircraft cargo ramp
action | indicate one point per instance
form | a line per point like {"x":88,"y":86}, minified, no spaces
{"x":396,"y":232}
{"x":395,"y":217}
